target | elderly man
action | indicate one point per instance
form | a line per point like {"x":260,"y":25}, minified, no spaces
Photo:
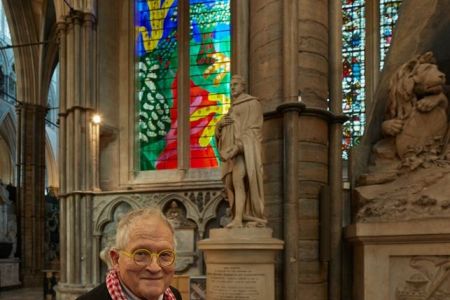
{"x":143,"y":260}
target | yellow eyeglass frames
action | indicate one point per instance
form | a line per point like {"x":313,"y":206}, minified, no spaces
{"x":144,"y":257}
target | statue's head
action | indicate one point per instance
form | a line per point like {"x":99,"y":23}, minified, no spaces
{"x":237,"y":85}
{"x":416,"y":78}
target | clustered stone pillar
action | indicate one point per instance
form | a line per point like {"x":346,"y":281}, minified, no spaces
{"x":78,"y":152}
{"x":30,"y":193}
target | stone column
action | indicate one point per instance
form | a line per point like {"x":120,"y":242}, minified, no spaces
{"x":30,"y":192}
{"x":240,"y":263}
{"x":78,"y":152}
{"x":335,"y":152}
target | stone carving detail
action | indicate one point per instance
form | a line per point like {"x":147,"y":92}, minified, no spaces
{"x":184,"y":235}
{"x":239,"y":137}
{"x":408,"y":176}
{"x":430,"y":282}
{"x":8,"y":224}
{"x":201,"y":199}
{"x":109,"y":234}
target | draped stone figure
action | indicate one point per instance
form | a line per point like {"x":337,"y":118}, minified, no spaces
{"x":238,"y":136}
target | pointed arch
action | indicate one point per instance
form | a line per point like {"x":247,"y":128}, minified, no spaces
{"x":8,"y":148}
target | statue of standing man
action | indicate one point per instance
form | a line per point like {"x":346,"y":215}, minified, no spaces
{"x":238,"y":136}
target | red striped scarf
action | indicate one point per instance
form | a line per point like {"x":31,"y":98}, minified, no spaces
{"x":116,"y":292}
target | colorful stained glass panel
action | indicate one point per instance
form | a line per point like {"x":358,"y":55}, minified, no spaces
{"x":353,"y":85}
{"x":157,"y":65}
{"x":388,"y":19}
{"x":210,"y":53}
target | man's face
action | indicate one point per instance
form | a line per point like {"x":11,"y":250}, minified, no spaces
{"x":151,"y":281}
{"x":237,"y":87}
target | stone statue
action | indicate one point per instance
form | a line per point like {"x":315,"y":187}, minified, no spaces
{"x":417,"y":109}
{"x":409,"y":167}
{"x":238,"y":136}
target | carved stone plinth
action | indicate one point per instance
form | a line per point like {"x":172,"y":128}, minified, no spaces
{"x":240,"y":263}
{"x":401,"y":261}
{"x":9,"y":272}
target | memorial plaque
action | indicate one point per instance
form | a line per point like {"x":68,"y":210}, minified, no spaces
{"x":243,"y":282}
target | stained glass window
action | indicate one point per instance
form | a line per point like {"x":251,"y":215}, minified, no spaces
{"x":353,"y":32}
{"x":157,"y":65}
{"x":210,"y":76}
{"x":157,"y":40}
{"x":388,"y":19}
{"x":353,"y":56}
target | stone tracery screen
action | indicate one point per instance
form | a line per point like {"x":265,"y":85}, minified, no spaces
{"x":158,"y":76}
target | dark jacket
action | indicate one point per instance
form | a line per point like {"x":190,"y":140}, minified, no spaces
{"x":101,"y":293}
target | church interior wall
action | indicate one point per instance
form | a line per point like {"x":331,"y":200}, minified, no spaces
{"x":195,"y":196}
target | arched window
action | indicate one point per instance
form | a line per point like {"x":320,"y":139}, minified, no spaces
{"x":183,"y":51}
{"x":366,"y":37}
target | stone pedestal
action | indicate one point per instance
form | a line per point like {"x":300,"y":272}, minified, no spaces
{"x":9,"y":272}
{"x":401,"y":261}
{"x":240,"y":263}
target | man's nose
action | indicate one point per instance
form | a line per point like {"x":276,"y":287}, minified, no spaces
{"x":153,"y":266}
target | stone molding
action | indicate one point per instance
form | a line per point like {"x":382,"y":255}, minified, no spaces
{"x":303,"y":110}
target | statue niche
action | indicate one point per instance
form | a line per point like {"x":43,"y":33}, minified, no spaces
{"x":408,"y":174}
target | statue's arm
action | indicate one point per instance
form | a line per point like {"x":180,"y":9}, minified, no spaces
{"x":432,"y":101}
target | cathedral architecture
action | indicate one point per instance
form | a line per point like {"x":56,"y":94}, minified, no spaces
{"x":112,"y":105}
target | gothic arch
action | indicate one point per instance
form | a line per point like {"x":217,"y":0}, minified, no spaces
{"x":106,"y":215}
{"x":7,"y":148}
{"x":51,"y":163}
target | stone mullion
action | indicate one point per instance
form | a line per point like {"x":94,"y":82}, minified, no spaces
{"x":183,"y":140}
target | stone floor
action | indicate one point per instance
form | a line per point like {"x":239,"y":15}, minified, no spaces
{"x":22,"y":294}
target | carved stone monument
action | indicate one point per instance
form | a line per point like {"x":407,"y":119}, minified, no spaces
{"x":9,"y":264}
{"x":408,"y":176}
{"x":403,"y":205}
{"x":240,"y":263}
{"x":240,"y":259}
{"x":239,"y":138}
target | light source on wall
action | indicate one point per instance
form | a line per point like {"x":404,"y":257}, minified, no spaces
{"x":97,"y":119}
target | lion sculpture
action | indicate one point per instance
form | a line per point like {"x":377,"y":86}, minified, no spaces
{"x":415,"y":126}
{"x":417,"y":110}
{"x":409,"y":173}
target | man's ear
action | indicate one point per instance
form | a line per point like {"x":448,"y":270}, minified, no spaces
{"x":114,"y":254}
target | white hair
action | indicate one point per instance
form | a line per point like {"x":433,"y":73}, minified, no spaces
{"x":132,"y":217}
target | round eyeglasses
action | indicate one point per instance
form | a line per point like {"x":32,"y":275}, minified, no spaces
{"x":144,"y":257}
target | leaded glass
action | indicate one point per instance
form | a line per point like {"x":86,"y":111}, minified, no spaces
{"x":156,"y":23}
{"x":157,"y":65}
{"x":353,"y":84}
{"x":388,"y":19}
{"x":209,"y":72}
